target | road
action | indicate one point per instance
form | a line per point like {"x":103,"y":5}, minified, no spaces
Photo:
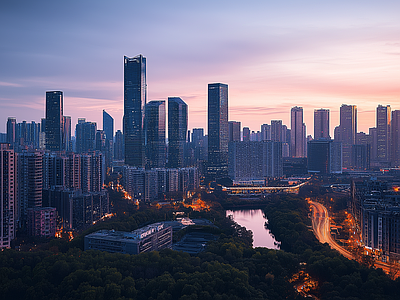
{"x":322,"y":229}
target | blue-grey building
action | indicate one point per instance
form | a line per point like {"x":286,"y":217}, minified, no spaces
{"x":218,"y":134}
{"x":135,"y":93}
{"x":155,"y":134}
{"x":85,"y":134}
{"x":177,"y":131}
{"x":54,"y":120}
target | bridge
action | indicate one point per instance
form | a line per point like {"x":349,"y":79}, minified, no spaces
{"x":255,"y":190}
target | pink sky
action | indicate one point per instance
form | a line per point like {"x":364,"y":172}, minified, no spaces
{"x":272,"y":55}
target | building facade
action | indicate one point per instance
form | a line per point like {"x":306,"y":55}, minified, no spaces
{"x":54,"y":121}
{"x":217,"y":131}
{"x":383,"y":122}
{"x":8,"y":203}
{"x":298,"y":133}
{"x":42,"y":221}
{"x":255,"y":160}
{"x":152,"y":237}
{"x":177,"y":131}
{"x":321,"y":124}
{"x":135,"y":96}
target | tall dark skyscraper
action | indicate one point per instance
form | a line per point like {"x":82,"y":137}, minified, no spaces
{"x":347,"y":131}
{"x":155,"y":134}
{"x":11,"y":123}
{"x":108,"y":125}
{"x":217,"y":131}
{"x":135,"y":93}
{"x":54,"y":120}
{"x":298,"y":133}
{"x":177,"y":131}
{"x":383,"y":114}
{"x":321,"y":124}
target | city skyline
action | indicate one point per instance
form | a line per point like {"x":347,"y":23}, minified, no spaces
{"x":313,"y":55}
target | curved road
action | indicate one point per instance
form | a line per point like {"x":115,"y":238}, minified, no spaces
{"x":322,"y":228}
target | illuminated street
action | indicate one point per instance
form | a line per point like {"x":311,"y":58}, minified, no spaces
{"x":321,"y":227}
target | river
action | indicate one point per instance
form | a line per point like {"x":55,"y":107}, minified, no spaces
{"x":254,"y":220}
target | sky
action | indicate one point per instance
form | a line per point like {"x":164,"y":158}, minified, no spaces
{"x":272,"y":54}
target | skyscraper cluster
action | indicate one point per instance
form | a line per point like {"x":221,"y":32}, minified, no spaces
{"x":46,"y":165}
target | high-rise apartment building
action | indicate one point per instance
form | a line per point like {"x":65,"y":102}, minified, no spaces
{"x":246,"y":134}
{"x":30,"y":182}
{"x":177,"y":131}
{"x":234,"y":131}
{"x":217,"y":131}
{"x":67,"y":134}
{"x":383,"y":115}
{"x":348,"y":130}
{"x":276,"y":131}
{"x":298,"y":133}
{"x":85,"y":136}
{"x":395,"y":138}
{"x":8,"y":203}
{"x":255,"y":160}
{"x":265,"y":133}
{"x":54,"y":121}
{"x":135,"y":94}
{"x":321,"y":124}
{"x":155,"y":134}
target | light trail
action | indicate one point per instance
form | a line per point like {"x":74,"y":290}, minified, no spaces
{"x":322,"y":229}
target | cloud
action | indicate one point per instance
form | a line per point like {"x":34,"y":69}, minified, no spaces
{"x":10,"y":84}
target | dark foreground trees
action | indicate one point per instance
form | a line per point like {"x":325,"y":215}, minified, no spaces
{"x":229,"y":269}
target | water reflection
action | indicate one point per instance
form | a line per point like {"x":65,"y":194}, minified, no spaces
{"x":254,"y":220}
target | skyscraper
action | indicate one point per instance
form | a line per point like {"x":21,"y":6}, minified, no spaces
{"x":54,"y":120}
{"x":321,"y":124}
{"x":108,"y":125}
{"x":135,"y":94}
{"x":177,"y":131}
{"x":217,"y":131}
{"x":298,"y":134}
{"x":348,"y":130}
{"x":11,"y":123}
{"x":155,"y":134}
{"x":383,"y":114}
{"x":395,"y":138}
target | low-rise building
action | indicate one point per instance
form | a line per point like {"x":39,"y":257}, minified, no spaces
{"x":149,"y":238}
